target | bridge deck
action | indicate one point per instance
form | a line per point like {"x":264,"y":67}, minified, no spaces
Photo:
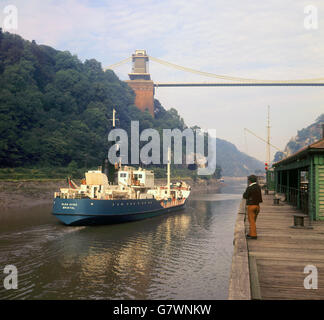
{"x":281,"y":254}
{"x":236,"y":84}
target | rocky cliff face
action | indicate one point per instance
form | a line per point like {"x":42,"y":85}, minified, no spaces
{"x":235,"y":163}
{"x":303,"y":138}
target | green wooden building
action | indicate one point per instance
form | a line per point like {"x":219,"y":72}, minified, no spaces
{"x":270,"y":181}
{"x":301,"y":178}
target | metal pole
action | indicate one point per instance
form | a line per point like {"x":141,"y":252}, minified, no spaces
{"x":268,"y":138}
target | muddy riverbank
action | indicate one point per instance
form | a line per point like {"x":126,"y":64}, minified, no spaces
{"x":28,"y":193}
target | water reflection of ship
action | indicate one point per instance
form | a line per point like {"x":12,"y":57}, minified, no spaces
{"x":136,"y":252}
{"x":147,"y":248}
{"x":205,"y":209}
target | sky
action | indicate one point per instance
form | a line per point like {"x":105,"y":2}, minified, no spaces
{"x":273,"y":39}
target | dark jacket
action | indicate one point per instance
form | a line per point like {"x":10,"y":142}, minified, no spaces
{"x":253,"y":195}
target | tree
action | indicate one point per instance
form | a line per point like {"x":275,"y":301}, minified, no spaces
{"x":54,"y":109}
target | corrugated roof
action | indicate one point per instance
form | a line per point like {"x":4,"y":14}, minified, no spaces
{"x":318,"y":144}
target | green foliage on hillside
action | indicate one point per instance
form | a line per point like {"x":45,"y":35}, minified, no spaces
{"x":55,"y":115}
{"x":54,"y":109}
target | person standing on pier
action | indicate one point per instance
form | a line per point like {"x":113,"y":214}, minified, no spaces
{"x":253,"y":198}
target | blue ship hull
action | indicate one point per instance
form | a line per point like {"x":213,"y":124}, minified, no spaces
{"x":94,"y":212}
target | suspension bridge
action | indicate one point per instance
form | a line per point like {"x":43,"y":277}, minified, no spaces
{"x":140,"y":79}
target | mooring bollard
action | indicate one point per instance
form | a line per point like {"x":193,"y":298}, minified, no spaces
{"x":276,"y":201}
{"x":298,"y":220}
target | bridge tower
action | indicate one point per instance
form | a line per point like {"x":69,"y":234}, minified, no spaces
{"x":140,"y":81}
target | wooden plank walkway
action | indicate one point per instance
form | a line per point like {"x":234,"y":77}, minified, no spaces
{"x":281,"y":254}
{"x":239,"y":284}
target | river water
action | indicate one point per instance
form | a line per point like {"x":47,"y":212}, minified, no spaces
{"x":182,"y":255}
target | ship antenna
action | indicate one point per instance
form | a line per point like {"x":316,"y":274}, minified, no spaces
{"x":168,"y":173}
{"x":114,"y":118}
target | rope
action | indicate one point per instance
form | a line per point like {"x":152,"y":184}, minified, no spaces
{"x":245,"y":129}
{"x":246,"y":144}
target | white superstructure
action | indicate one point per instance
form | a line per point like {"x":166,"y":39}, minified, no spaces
{"x":130,"y":183}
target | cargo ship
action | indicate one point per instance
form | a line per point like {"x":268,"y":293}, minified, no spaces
{"x":132,"y":196}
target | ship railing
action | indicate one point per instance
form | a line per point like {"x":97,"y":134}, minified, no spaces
{"x":171,"y":202}
{"x":70,"y":195}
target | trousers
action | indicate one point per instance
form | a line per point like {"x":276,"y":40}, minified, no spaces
{"x":253,"y":211}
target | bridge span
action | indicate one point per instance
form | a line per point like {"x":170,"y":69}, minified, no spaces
{"x":141,"y":83}
{"x":236,"y":84}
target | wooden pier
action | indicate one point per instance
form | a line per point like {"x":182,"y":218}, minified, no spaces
{"x":272,"y":267}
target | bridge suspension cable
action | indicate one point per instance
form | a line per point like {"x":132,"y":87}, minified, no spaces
{"x":223,"y":77}
{"x":313,"y":81}
{"x":112,"y":66}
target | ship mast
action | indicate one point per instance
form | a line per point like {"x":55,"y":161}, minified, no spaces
{"x":268,"y":138}
{"x":114,"y":125}
{"x":168,"y":166}
{"x":114,"y":118}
